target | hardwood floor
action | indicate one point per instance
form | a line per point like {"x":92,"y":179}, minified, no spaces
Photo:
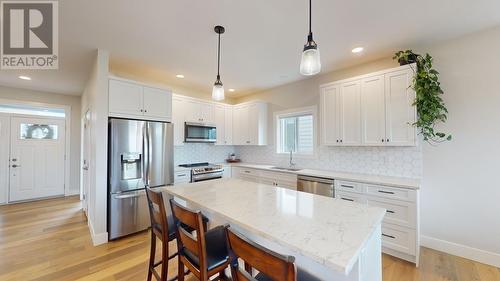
{"x":49,"y":240}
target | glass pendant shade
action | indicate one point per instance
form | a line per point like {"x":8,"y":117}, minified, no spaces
{"x":218,"y":92}
{"x":310,"y":63}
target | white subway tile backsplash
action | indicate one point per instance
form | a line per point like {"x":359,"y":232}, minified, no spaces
{"x":385,"y":161}
{"x":201,"y":152}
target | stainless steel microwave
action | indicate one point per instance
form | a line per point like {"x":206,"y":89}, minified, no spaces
{"x":200,"y":132}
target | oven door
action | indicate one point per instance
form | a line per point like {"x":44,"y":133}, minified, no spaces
{"x":206,"y":176}
{"x":200,"y":132}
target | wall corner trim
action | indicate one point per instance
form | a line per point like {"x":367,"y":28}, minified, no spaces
{"x":99,"y":238}
{"x":478,"y":255}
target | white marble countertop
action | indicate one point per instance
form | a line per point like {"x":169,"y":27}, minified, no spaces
{"x":408,"y":183}
{"x":330,"y":231}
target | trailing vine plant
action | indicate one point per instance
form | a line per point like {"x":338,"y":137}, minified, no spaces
{"x":431,"y":109}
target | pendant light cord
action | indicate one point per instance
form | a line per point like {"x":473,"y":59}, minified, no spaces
{"x":218,"y":59}
{"x":310,"y":16}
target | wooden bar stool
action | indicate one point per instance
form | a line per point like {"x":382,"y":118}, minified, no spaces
{"x":271,"y":266}
{"x":161,"y":229}
{"x":203,"y":253}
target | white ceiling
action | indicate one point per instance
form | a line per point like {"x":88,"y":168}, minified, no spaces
{"x":263,"y":40}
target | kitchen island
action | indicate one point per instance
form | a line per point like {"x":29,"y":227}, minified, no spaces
{"x":330,"y":238}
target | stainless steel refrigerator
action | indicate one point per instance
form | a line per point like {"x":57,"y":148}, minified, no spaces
{"x":140,"y":154}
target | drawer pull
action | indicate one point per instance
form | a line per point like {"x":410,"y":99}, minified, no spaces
{"x":347,"y":186}
{"x":181,"y":175}
{"x":389,"y":236}
{"x":386,"y":192}
{"x":347,"y":199}
{"x":248,"y":172}
{"x":389,"y":211}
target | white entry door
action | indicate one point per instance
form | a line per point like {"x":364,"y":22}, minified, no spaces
{"x":36,"y":158}
{"x":4,"y":157}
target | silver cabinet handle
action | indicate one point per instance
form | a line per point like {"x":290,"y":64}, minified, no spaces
{"x":347,"y":186}
{"x":181,"y":175}
{"x":347,"y":199}
{"x":386,"y":192}
{"x":390,"y":212}
{"x":15,"y":166}
{"x":389,"y":236}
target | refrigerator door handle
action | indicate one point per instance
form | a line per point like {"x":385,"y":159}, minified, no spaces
{"x":146,"y":154}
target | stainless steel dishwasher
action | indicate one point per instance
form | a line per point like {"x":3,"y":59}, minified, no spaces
{"x":316,"y":185}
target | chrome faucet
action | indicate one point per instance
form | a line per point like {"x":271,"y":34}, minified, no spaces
{"x":291,"y":159}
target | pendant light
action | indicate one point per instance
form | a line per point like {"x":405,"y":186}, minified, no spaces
{"x":218,"y":89}
{"x":310,"y":63}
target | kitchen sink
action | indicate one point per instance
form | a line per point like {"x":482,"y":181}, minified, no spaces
{"x":286,"y":169}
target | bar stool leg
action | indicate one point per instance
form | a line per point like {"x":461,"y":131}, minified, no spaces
{"x":152,"y":256}
{"x":180,"y":271}
{"x":164,"y":260}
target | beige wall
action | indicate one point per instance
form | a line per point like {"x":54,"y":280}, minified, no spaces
{"x":461,"y":193}
{"x":148,"y":74}
{"x":95,"y":100}
{"x":58,"y":99}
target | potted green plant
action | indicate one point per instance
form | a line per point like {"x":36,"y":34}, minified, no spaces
{"x":431,"y":109}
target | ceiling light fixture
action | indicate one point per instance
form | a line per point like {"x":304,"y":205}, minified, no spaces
{"x":232,"y":90}
{"x":310,"y":63}
{"x":24,"y":77}
{"x":357,"y":50}
{"x":179,"y":76}
{"x":218,"y":89}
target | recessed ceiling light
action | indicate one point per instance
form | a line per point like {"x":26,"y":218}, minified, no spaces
{"x":357,"y":50}
{"x":24,"y":77}
{"x":179,"y":76}
{"x":232,"y":90}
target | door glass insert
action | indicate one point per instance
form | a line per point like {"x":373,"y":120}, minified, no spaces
{"x":38,"y":131}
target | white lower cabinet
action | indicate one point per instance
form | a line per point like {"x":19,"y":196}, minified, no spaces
{"x":400,"y":227}
{"x":183,"y":176}
{"x":278,"y":179}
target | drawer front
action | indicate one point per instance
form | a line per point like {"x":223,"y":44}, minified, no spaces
{"x":399,"y":238}
{"x":349,"y":186}
{"x":350,"y":196}
{"x":182,"y":177}
{"x":392,"y":192}
{"x":242,"y":172}
{"x":279,"y":176}
{"x":398,"y":212}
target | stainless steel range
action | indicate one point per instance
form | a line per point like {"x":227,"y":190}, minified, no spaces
{"x":204,"y":171}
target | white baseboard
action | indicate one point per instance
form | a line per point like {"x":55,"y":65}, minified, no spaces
{"x":461,"y":250}
{"x":72,"y":193}
{"x":99,"y":238}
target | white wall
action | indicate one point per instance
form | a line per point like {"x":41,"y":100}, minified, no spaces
{"x":52,"y":98}
{"x":461,"y":192}
{"x":95,"y":99}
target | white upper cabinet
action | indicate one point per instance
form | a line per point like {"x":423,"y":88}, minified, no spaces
{"x":178,"y":118}
{"x":350,"y":113}
{"x":400,"y":112}
{"x":223,"y":119}
{"x":125,"y":98}
{"x":199,"y":111}
{"x":156,"y":101}
{"x":330,"y":123}
{"x":250,"y":124}
{"x":371,"y":110}
{"x":130,"y":99}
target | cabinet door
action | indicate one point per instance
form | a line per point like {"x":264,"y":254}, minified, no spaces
{"x":400,"y":113}
{"x":373,"y":110}
{"x":228,"y":125}
{"x":220,"y":120}
{"x":253,"y":124}
{"x":179,"y":109}
{"x":206,"y":111}
{"x":351,"y":113}
{"x":125,"y":98}
{"x":330,"y":123}
{"x":157,"y":103}
{"x":192,"y":113}
{"x":240,"y":125}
